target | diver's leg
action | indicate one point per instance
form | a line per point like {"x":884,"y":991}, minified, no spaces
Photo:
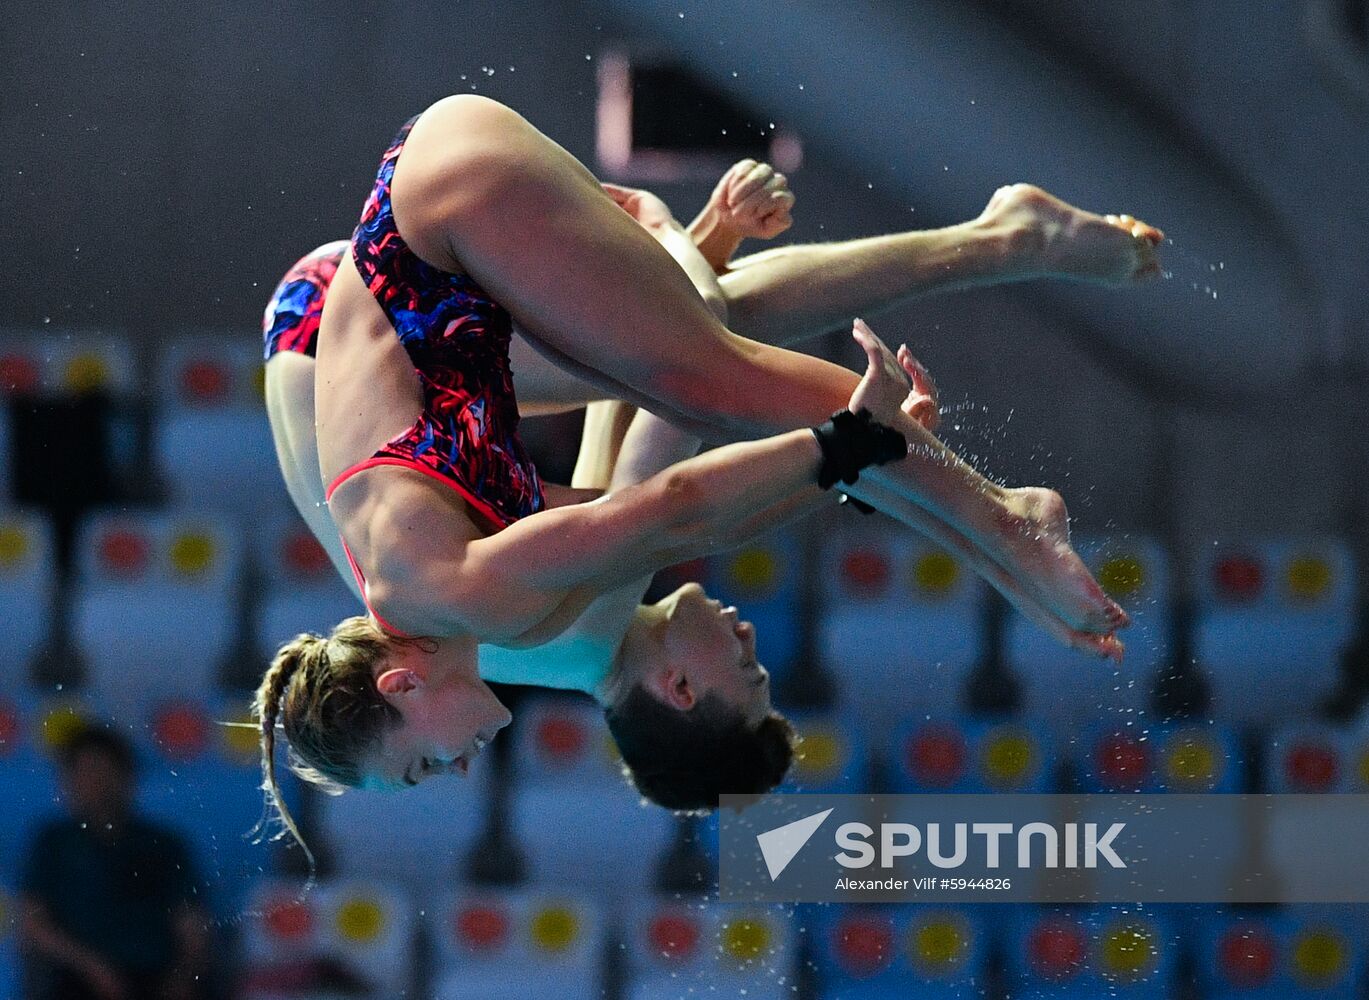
{"x":790,"y":293}
{"x":480,"y":189}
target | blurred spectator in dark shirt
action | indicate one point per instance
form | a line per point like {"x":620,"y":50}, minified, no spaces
{"x":110,"y":910}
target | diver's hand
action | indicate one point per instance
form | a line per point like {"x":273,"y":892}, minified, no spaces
{"x":892,"y":384}
{"x":753,"y":201}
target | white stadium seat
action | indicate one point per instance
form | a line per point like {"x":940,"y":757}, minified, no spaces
{"x":365,"y":929}
{"x":1068,"y":686}
{"x":212,"y":442}
{"x":1274,"y":617}
{"x":927,"y":951}
{"x":572,"y":811}
{"x":679,"y":949}
{"x":899,"y":617}
{"x":1073,"y":954}
{"x":56,"y":363}
{"x":515,"y":945}
{"x":155,"y":604}
{"x":1292,"y":953}
{"x":302,"y":591}
{"x":412,"y":836}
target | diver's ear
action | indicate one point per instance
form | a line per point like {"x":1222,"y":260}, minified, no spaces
{"x":398,"y":680}
{"x":677,"y":692}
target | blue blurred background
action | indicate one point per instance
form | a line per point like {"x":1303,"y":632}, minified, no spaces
{"x":164,"y":163}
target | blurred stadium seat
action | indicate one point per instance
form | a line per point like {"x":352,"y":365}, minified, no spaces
{"x":675,"y":949}
{"x":830,"y":756}
{"x":27,"y":777}
{"x":203,"y":779}
{"x":1311,"y":758}
{"x":212,"y":442}
{"x":762,"y":580}
{"x":1065,"y":685}
{"x":155,"y":604}
{"x":58,"y":363}
{"x":1178,"y":757}
{"x":561,"y":740}
{"x":28,"y":585}
{"x":573,"y":811}
{"x":1357,"y":755}
{"x":302,"y":591}
{"x":972,"y":755}
{"x":517,"y":944}
{"x":1293,"y":954}
{"x":417,"y":837}
{"x":901,"y":625}
{"x":344,"y":937}
{"x":370,"y":926}
{"x":883,"y":952}
{"x":1274,"y":617}
{"x":1064,"y":954}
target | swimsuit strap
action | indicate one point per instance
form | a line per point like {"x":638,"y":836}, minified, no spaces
{"x":351,"y":559}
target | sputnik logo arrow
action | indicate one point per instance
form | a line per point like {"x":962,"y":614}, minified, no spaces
{"x":778,"y":846}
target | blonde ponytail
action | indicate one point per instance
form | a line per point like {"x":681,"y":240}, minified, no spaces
{"x":323,"y":692}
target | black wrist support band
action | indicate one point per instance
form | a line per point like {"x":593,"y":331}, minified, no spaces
{"x":851,"y":442}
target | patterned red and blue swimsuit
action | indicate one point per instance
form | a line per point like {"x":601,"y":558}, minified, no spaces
{"x":458,"y":339}
{"x":296,"y":307}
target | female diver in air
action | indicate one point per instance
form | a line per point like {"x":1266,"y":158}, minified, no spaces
{"x":447,"y":526}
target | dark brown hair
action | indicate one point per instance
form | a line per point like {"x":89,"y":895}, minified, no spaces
{"x":684,"y":760}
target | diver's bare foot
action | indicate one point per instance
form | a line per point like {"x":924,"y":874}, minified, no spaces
{"x":1028,"y":604}
{"x":1034,"y":548}
{"x":1060,"y":240}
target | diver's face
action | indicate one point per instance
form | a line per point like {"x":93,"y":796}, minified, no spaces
{"x":714,"y":652}
{"x":448,"y":718}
